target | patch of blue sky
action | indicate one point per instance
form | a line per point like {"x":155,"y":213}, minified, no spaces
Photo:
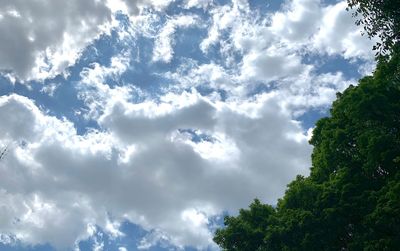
{"x":219,"y":54}
{"x":330,"y":2}
{"x":222,"y":2}
{"x":197,"y":136}
{"x":205,"y":90}
{"x":216,"y":221}
{"x":123,"y":20}
{"x":261,"y":87}
{"x":145,"y":66}
{"x":102,"y":50}
{"x":265,"y":6}
{"x":333,"y":64}
{"x":311,"y":116}
{"x":63,"y":102}
{"x":148,"y":75}
{"x":6,"y":87}
{"x":187,"y":45}
{"x":131,"y":240}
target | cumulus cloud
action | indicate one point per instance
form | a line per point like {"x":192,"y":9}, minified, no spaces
{"x":56,"y":184}
{"x":271,"y":64}
{"x":94,"y":90}
{"x":134,"y":6}
{"x":168,"y":164}
{"x":311,"y":91}
{"x":338,"y":34}
{"x":197,"y":3}
{"x":41,"y":38}
{"x":298,"y":21}
{"x":273,"y":45}
{"x":223,"y":18}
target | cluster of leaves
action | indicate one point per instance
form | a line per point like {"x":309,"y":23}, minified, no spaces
{"x":380,"y":18}
{"x":351,"y":200}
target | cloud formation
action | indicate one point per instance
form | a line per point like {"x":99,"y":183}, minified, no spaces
{"x":175,"y":138}
{"x":55,"y":183}
{"x":41,"y":38}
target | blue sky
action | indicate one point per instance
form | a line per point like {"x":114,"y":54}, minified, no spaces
{"x":136,"y":125}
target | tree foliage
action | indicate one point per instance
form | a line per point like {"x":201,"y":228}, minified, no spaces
{"x":351,"y":200}
{"x":246,"y":232}
{"x":380,"y":18}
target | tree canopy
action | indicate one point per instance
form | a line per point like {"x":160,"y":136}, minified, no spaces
{"x":351,"y":200}
{"x":380,"y":18}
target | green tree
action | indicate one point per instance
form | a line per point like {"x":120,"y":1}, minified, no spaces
{"x":351,"y":200}
{"x":246,"y":231}
{"x":380,"y":18}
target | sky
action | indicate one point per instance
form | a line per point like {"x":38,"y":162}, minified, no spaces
{"x":138,"y":124}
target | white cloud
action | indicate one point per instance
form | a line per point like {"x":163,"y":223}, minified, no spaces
{"x":98,"y":245}
{"x":273,"y":46}
{"x":271,"y":64}
{"x":50,"y":89}
{"x":57,"y":183}
{"x":297,"y":22}
{"x":144,"y":164}
{"x":135,"y":6}
{"x":94,"y":90}
{"x":311,"y":91}
{"x":298,"y":86}
{"x":197,"y":3}
{"x":191,"y":74}
{"x":339,"y":35}
{"x":41,"y":38}
{"x":223,"y":18}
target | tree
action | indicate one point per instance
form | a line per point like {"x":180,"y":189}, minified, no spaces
{"x":380,"y":18}
{"x":351,"y":200}
{"x":246,"y":231}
